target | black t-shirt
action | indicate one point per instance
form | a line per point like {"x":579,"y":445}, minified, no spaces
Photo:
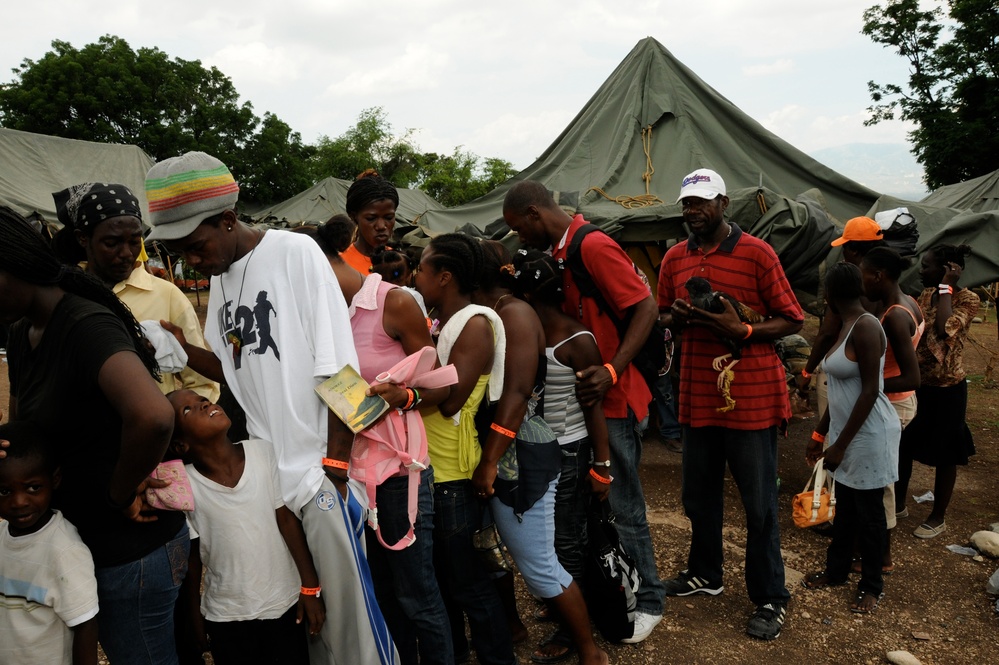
{"x":55,"y":386}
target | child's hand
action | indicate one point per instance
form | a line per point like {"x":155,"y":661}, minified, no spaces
{"x":313,"y":611}
{"x":4,"y":445}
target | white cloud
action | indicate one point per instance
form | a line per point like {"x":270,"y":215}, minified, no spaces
{"x":782,"y":66}
{"x":418,"y":68}
{"x":256,"y":63}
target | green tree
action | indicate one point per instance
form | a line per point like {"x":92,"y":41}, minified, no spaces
{"x":451,"y":179}
{"x":952,"y":94}
{"x":110,"y":93}
{"x":280,"y":162}
{"x":457,"y":178}
{"x":368,"y":144}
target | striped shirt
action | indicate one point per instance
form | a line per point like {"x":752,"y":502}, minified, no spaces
{"x":747,"y":268}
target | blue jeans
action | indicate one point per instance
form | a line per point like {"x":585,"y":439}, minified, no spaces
{"x":572,"y":495}
{"x":752,"y":458}
{"x":404,"y":580}
{"x":628,"y":503}
{"x":457,"y":515}
{"x":662,"y":399}
{"x":135,"y":625}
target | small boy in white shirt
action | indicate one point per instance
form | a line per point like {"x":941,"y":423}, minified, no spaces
{"x":48,"y":592}
{"x":260,"y":580}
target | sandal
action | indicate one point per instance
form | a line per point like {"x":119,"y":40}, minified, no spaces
{"x":544,"y":614}
{"x":819,"y":581}
{"x":856,"y":567}
{"x":554,"y":649}
{"x":860,"y":598}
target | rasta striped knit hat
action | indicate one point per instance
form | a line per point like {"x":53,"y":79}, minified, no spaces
{"x":184,"y":191}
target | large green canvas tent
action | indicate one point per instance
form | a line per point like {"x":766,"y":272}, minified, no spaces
{"x":978,"y":194}
{"x":654,"y":117}
{"x":328,"y":197}
{"x":32,"y":166}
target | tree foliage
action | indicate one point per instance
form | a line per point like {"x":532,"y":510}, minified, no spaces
{"x":451,"y":179}
{"x":110,"y":93}
{"x":952,"y":94}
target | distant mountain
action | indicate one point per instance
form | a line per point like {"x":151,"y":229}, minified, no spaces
{"x":888,"y":168}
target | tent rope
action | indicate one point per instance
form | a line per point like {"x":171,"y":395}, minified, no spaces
{"x":761,"y":201}
{"x":642,"y":200}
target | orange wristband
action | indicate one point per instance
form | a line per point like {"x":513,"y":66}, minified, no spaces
{"x":311,"y":591}
{"x":749,"y":331}
{"x":335,"y":463}
{"x":600,"y":479}
{"x":613,"y":373}
{"x":504,"y":431}
{"x":818,"y":437}
{"x":806,"y":374}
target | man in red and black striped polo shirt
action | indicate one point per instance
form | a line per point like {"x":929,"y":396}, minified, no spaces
{"x":746,"y":437}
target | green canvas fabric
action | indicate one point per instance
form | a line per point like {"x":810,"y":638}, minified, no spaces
{"x":33,"y":166}
{"x":328,"y":197}
{"x":978,"y":194}
{"x":692,"y":126}
{"x":952,"y":226}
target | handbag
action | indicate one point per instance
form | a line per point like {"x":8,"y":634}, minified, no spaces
{"x":816,"y":504}
{"x":612,"y":581}
{"x":493,"y":555}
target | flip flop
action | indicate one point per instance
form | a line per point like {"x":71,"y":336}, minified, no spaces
{"x":860,"y":597}
{"x":556,"y":639}
{"x":926,"y":531}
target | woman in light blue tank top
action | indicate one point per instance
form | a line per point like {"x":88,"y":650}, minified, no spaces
{"x":863,"y":431}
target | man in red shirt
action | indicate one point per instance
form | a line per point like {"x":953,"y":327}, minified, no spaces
{"x":530,"y":210}
{"x":746,"y":437}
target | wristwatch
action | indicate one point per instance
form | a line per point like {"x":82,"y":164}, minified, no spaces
{"x":604,"y":463}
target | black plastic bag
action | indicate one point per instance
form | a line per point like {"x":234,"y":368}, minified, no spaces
{"x":611,"y":577}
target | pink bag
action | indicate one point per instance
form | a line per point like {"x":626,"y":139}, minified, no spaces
{"x":398,"y":442}
{"x":178,"y":495}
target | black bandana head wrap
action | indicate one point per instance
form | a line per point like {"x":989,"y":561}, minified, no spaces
{"x":82,"y":207}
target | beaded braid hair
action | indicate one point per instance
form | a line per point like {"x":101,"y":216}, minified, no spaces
{"x":461,"y":255}
{"x":537,"y":274}
{"x":25,"y":255}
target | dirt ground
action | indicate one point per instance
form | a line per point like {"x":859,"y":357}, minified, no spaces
{"x":935,"y":604}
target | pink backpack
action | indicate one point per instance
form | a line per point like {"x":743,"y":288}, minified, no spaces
{"x":398,"y":442}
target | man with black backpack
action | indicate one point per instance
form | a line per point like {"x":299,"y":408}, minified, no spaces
{"x":620,"y":311}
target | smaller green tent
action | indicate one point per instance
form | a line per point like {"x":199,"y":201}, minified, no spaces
{"x":328,"y":197}
{"x":33,"y":166}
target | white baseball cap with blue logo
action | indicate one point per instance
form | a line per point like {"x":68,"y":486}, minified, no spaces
{"x":702,"y":184}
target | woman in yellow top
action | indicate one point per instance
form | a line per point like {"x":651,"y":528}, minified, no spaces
{"x":472,"y":339}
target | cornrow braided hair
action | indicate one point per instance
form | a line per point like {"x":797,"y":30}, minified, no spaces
{"x":461,"y":255}
{"x":539,"y":275}
{"x":25,"y":255}
{"x":368,"y":188}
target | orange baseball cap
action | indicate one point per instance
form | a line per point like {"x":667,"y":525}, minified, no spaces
{"x":859,"y":228}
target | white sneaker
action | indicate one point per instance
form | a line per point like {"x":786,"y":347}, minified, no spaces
{"x":644,"y":623}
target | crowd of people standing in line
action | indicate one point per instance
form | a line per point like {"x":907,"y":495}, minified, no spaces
{"x":543,"y":416}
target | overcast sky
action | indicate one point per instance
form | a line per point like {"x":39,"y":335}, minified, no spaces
{"x":501,"y":79}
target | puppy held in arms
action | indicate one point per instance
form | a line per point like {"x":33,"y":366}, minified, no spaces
{"x":703,"y":297}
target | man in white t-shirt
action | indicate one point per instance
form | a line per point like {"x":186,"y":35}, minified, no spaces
{"x":273,"y":367}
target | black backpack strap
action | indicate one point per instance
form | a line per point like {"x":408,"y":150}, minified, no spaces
{"x":584,"y":281}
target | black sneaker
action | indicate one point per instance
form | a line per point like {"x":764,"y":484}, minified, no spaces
{"x":686,"y":584}
{"x":767,"y":621}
